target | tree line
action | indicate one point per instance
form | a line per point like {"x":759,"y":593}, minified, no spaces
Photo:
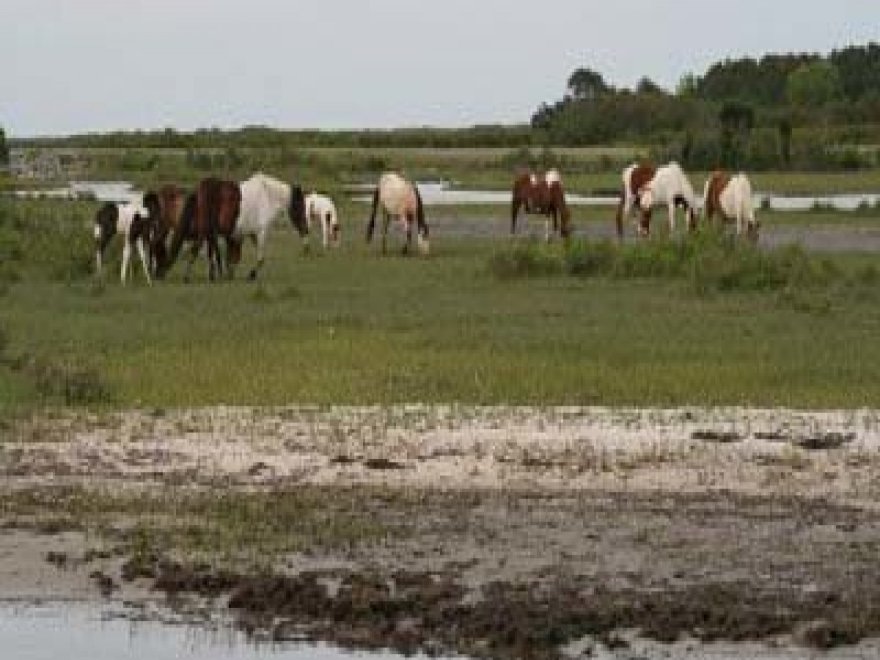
{"x":792,"y":110}
{"x":780,"y":111}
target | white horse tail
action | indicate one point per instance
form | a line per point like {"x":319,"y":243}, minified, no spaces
{"x":371,"y":225}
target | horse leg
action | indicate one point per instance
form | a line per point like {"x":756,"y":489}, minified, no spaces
{"x":126,"y":257}
{"x":514,"y":211}
{"x":260,"y":240}
{"x":143,"y":255}
{"x":409,"y":230}
{"x":385,"y":222}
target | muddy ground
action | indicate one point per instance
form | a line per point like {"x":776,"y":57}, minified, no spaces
{"x":514,"y":532}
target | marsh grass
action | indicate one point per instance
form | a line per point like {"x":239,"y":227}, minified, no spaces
{"x":662,"y":323}
{"x":213,"y":523}
{"x":709,"y":261}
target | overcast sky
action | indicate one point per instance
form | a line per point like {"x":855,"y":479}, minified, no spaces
{"x":96,"y":65}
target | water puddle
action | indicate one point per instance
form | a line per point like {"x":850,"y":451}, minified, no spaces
{"x":48,"y":631}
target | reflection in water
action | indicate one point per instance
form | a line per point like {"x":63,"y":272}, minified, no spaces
{"x":79,"y":631}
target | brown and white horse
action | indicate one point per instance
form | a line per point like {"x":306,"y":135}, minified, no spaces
{"x":731,"y":198}
{"x":211,"y":211}
{"x":645,"y":186}
{"x":542,"y":195}
{"x":399,"y":199}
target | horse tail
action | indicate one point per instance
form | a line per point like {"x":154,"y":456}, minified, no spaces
{"x":372,"y":223}
{"x":420,"y":212}
{"x":181,"y":231}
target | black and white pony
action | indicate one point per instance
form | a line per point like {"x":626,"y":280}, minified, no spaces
{"x":134,"y":222}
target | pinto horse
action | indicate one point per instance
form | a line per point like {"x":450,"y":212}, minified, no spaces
{"x":645,"y":186}
{"x":731,"y":197}
{"x":321,"y":209}
{"x":262,"y":199}
{"x":400,"y":199}
{"x":133,"y":222}
{"x":542,"y":195}
{"x":211,"y":211}
{"x":634,"y":178}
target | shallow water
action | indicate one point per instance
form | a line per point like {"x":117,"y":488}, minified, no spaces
{"x":441,"y":193}
{"x":48,"y":631}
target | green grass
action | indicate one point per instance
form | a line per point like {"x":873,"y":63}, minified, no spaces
{"x":355,"y":327}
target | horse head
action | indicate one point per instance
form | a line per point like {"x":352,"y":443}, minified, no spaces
{"x":296,"y":210}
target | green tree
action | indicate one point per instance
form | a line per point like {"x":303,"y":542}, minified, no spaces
{"x":737,"y":121}
{"x":587,"y":85}
{"x":687,"y":86}
{"x":814,"y":84}
{"x":4,"y":148}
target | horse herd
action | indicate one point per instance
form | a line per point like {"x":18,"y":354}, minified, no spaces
{"x":159,"y":224}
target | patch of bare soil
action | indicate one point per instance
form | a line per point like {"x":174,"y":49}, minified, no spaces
{"x":522,"y":530}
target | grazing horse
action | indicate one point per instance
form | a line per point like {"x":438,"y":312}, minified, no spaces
{"x":731,"y":197}
{"x":262,"y":198}
{"x":131,"y":220}
{"x":634,"y":178}
{"x":211,"y":211}
{"x":167,"y":209}
{"x":400,"y":199}
{"x":669,"y":186}
{"x":321,"y":209}
{"x":542,"y":195}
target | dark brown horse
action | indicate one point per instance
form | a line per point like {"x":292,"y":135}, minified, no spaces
{"x":541,"y":195}
{"x":166,"y":206}
{"x":211,"y":211}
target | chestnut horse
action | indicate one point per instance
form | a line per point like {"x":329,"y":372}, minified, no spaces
{"x":166,"y":206}
{"x":211,"y":211}
{"x":731,"y":197}
{"x":541,"y":195}
{"x":399,"y":199}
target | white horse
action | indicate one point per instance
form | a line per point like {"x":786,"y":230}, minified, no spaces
{"x":263,"y":198}
{"x":133,"y":222}
{"x":671,"y":187}
{"x":321,"y":209}
{"x":731,"y":197}
{"x":399,"y":199}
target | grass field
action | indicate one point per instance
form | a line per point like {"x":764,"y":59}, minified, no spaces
{"x":355,"y":327}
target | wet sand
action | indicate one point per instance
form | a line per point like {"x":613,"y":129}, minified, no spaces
{"x":527,"y":529}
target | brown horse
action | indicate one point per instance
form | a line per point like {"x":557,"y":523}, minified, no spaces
{"x":541,"y":195}
{"x":166,"y":206}
{"x":211,"y":211}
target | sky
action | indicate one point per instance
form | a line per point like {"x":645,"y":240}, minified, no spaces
{"x":73,"y":66}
